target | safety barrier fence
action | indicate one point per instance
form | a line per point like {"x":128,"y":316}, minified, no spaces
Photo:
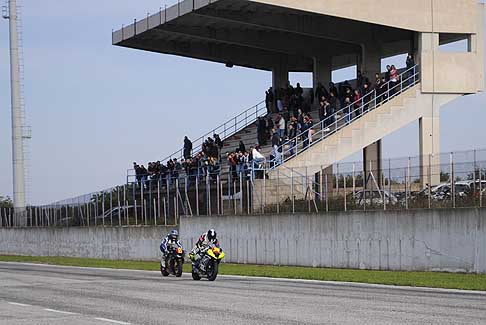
{"x":399,"y":184}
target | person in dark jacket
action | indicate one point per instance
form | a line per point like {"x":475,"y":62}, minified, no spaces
{"x":187,"y":148}
{"x":241,"y":147}
{"x":410,"y":64}
{"x":261,"y":131}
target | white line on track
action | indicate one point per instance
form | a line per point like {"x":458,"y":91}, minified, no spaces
{"x":18,"y":304}
{"x":60,"y":311}
{"x":111,"y":321}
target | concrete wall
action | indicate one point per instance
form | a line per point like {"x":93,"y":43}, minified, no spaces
{"x":125,"y":243}
{"x":432,"y":240}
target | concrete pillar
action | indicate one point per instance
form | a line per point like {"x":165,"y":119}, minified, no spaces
{"x":372,"y":158}
{"x":429,"y":141}
{"x":322,"y":71}
{"x":280,"y":74}
{"x":428,"y":45}
{"x":370,"y":60}
{"x":369,"y":65}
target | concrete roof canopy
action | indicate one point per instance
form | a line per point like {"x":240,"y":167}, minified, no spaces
{"x":258,"y":35}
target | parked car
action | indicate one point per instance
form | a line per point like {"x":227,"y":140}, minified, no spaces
{"x":462,"y":189}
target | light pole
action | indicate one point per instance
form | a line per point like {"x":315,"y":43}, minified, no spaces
{"x":17,"y":125}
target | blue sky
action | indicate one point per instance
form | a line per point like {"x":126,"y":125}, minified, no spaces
{"x":95,"y":108}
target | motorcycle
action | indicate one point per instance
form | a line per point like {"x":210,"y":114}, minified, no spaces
{"x":173,"y":262}
{"x":208,"y":264}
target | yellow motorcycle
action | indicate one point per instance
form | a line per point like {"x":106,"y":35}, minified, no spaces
{"x":208,"y":264}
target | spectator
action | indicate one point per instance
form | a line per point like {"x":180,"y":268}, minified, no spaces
{"x":367,"y":96}
{"x":138,"y":174}
{"x":357,"y":102}
{"x":333,"y":89}
{"x":321,"y":91}
{"x":281,"y":126}
{"x":217,"y":141}
{"x":393,"y":80}
{"x":305,"y":132}
{"x":241,"y":147}
{"x":143,"y":174}
{"x":268,"y":128}
{"x":410,"y":64}
{"x":269,"y":99}
{"x":261,"y":131}
{"x":387,"y":73}
{"x":187,"y":148}
{"x":257,"y":159}
{"x":347,"y":109}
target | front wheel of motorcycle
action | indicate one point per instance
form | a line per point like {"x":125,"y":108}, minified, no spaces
{"x":213,"y":271}
{"x":179,"y":269}
{"x":163,"y":271}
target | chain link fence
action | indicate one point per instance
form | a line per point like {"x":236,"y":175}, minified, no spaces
{"x":458,"y":181}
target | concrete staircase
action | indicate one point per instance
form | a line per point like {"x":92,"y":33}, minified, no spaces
{"x":391,"y":116}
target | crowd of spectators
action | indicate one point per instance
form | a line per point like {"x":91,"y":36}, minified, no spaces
{"x":289,"y":117}
{"x":206,"y":162}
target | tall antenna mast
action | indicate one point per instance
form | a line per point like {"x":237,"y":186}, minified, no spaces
{"x":11,"y":14}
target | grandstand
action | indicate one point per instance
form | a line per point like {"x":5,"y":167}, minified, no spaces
{"x":285,"y":36}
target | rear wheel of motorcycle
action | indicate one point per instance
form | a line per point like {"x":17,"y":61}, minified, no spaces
{"x":213,"y":271}
{"x":163,"y":271}
{"x":179,"y":269}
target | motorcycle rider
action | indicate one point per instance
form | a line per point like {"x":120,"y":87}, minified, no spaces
{"x":206,"y":239}
{"x":170,"y":241}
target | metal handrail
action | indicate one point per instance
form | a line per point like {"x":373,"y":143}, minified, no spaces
{"x":225,"y":130}
{"x":346,"y":116}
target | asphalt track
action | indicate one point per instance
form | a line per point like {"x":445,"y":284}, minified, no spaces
{"x":40,"y":294}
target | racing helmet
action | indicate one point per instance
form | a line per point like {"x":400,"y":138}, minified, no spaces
{"x":174,"y":234}
{"x":211,"y":234}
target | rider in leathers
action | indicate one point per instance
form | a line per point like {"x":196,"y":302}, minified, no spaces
{"x":170,"y":241}
{"x":205,"y":240}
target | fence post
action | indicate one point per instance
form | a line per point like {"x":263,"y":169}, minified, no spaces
{"x":278,"y":191}
{"x":453,"y":189}
{"x":208,"y":193}
{"x":197,"y":196}
{"x":248,"y":196}
{"x":406,"y":184}
{"x":327,"y":193}
{"x":234,"y":197}
{"x":158,"y":198}
{"x":111,"y":207}
{"x":480,"y":187}
{"x":383,"y":185}
{"x":165,"y":212}
{"x":221,"y":198}
{"x":292,"y":189}
{"x":136,"y":212}
{"x":264,"y":200}
{"x":430,"y":181}
{"x":345,"y":199}
{"x":103,"y":207}
{"x":241,"y":192}
{"x":218,"y":194}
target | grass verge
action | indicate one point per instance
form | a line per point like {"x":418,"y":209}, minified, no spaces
{"x":414,"y":279}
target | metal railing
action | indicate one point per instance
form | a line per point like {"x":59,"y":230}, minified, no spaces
{"x":343,"y":117}
{"x":225,"y":131}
